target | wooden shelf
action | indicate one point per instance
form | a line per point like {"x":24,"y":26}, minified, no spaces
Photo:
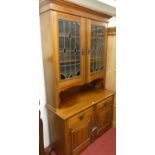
{"x":76,"y":103}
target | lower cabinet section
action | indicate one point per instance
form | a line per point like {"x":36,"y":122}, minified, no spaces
{"x":78,"y":131}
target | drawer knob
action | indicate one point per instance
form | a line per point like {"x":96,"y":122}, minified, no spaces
{"x":81,"y":117}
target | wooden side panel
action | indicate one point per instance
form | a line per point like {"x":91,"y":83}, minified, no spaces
{"x":57,"y":133}
{"x":46,"y":35}
{"x":111,"y":67}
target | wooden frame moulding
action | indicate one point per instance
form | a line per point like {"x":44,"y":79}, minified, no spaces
{"x":73,"y":9}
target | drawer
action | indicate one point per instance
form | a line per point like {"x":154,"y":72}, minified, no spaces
{"x":105,"y":103}
{"x":80,"y":118}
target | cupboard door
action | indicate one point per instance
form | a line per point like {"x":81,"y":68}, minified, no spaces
{"x":96,"y":46}
{"x":70,"y":49}
{"x":80,"y":128}
{"x":104,"y":115}
{"x":80,"y":137}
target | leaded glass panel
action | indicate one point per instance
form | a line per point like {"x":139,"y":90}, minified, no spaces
{"x":97,"y":48}
{"x":69,"y":49}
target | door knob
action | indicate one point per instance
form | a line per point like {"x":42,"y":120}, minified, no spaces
{"x":81,"y":117}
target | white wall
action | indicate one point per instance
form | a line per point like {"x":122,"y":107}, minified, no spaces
{"x":96,"y":5}
{"x":42,"y":98}
{"x":112,"y":22}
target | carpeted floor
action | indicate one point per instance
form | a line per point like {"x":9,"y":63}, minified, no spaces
{"x":104,"y":145}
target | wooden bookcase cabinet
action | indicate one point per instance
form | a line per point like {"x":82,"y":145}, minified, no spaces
{"x":74,"y":57}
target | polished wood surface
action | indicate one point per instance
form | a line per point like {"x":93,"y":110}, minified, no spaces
{"x":57,"y":133}
{"x":111,"y":67}
{"x":48,"y":58}
{"x":81,"y":101}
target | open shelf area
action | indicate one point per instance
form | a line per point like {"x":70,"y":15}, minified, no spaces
{"x":73,"y":104}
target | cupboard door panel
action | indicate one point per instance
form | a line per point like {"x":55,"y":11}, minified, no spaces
{"x":80,"y":127}
{"x":97,"y":48}
{"x":80,"y":137}
{"x":69,"y":45}
{"x":69,"y":36}
{"x":96,"y":45}
{"x":104,"y":115}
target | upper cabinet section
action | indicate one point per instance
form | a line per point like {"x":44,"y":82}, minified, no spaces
{"x":80,"y":48}
{"x":96,"y":46}
{"x":74,"y":47}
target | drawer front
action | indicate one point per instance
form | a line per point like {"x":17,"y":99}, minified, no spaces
{"x":104,"y":104}
{"x":80,"y":118}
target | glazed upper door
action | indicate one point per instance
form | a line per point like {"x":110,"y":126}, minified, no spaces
{"x":96,"y":49}
{"x":69,"y":46}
